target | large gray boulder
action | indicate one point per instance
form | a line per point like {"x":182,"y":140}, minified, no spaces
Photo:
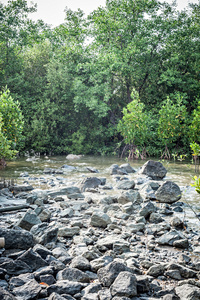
{"x":28,"y":220}
{"x":124,"y":285}
{"x":17,"y":239}
{"x":89,"y":183}
{"x":154,"y":169}
{"x":100,"y":219}
{"x":188,"y":292}
{"x":168,"y":192}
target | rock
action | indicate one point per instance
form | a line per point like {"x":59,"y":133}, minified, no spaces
{"x":147,"y":209}
{"x":80,"y":263}
{"x":55,"y":296}
{"x":168,"y":192}
{"x":170,"y":237}
{"x":188,"y":292}
{"x":114,"y":169}
{"x":15,"y":267}
{"x":92,"y":170}
{"x":100,"y":262}
{"x":182,"y":243}
{"x":68,"y":191}
{"x":121,"y":247}
{"x":155,"y":218}
{"x":185,"y":272}
{"x":65,"y":287}
{"x":126,"y":185}
{"x":153,"y":169}
{"x":17,"y":239}
{"x":124,"y":285}
{"x":37,"y":194}
{"x":44,"y":233}
{"x":5,"y":295}
{"x":89,"y":182}
{"x":42,"y":251}
{"x":32,"y":259}
{"x":72,"y":274}
{"x":127,"y":167}
{"x":177,"y":223}
{"x":156,"y":270}
{"x":100,"y":219}
{"x":130,"y":196}
{"x":142,"y":284}
{"x":109,"y":273}
{"x":68,"y":231}
{"x":29,"y":290}
{"x":20,"y":188}
{"x":28,"y":220}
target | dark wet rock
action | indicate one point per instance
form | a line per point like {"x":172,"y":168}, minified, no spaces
{"x":37,"y":194}
{"x":155,"y":218}
{"x":182,"y":243}
{"x":28,"y":220}
{"x":44,"y":233}
{"x":48,"y":279}
{"x":15,"y":267}
{"x":156,"y":270}
{"x":29,"y":290}
{"x":127,"y":167}
{"x":185,"y":272}
{"x":188,"y":292}
{"x":125,"y":185}
{"x":32,"y":259}
{"x":5,"y":295}
{"x":73,"y":274}
{"x":142,"y":284}
{"x":65,"y":287}
{"x":41,"y":250}
{"x":124,"y":285}
{"x":92,"y":170}
{"x":168,"y":192}
{"x":154,"y":169}
{"x":147,"y":192}
{"x":170,"y":237}
{"x":147,"y":209}
{"x":15,"y":189}
{"x":17,"y":239}
{"x":177,"y":223}
{"x":49,"y":270}
{"x":88,"y":183}
{"x":109,"y":273}
{"x":100,"y":219}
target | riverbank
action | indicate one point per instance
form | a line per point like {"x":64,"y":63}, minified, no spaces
{"x":79,"y":240}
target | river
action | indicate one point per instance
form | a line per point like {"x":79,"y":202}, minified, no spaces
{"x":179,"y":172}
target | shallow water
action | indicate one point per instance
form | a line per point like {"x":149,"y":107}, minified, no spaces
{"x":181,"y":173}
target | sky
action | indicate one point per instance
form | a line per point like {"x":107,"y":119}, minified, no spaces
{"x":52,"y":11}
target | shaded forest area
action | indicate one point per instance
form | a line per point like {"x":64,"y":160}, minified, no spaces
{"x":127,"y":75}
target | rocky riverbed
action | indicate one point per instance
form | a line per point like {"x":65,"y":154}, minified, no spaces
{"x":76,"y":240}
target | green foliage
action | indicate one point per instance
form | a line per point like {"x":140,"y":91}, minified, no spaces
{"x":11,"y":125}
{"x":172,"y":121}
{"x":196,"y":183}
{"x":133,"y":126}
{"x":195,"y":148}
{"x":194,"y":128}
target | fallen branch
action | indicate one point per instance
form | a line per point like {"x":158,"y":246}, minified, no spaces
{"x":12,"y":208}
